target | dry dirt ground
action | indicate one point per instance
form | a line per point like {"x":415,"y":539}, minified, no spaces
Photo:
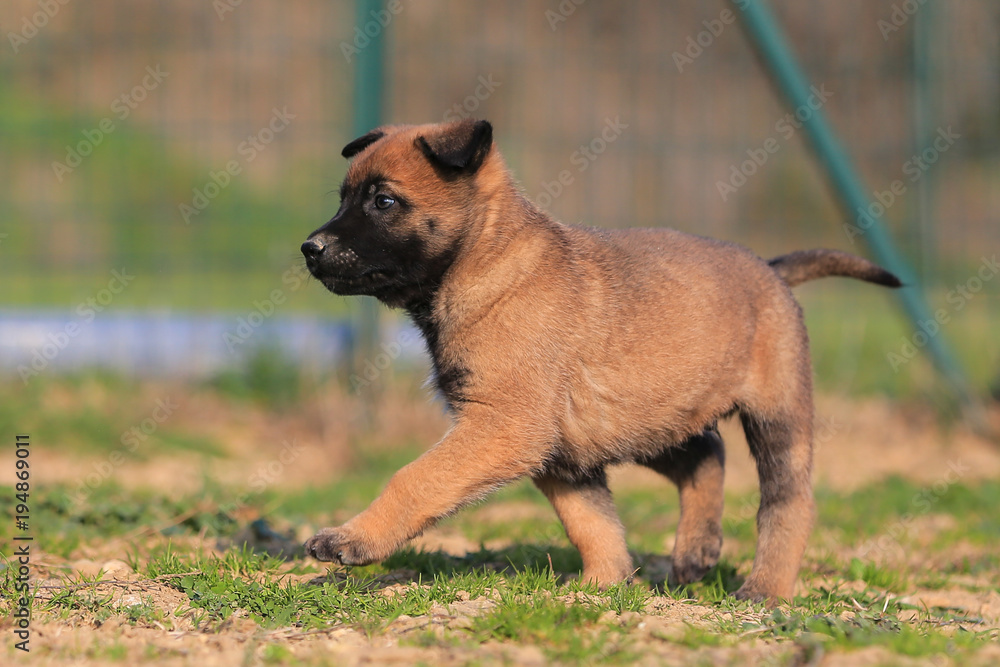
{"x":657,"y":636}
{"x":858,"y":443}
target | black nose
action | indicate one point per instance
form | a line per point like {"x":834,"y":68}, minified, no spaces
{"x":312,"y":248}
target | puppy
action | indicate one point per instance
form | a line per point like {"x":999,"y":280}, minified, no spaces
{"x":562,"y":350}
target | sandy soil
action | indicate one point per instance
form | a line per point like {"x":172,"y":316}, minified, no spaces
{"x":654,"y":634}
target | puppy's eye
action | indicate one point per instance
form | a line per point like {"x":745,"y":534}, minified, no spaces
{"x":383,"y":202}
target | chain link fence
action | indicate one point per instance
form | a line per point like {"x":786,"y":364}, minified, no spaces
{"x":171,"y":156}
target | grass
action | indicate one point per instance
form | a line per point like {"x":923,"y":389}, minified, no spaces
{"x":529,"y":600}
{"x":853,"y":328}
{"x":888,"y":565}
{"x":92,"y":413}
{"x":566,"y":631}
{"x":899,"y":502}
{"x":869,"y":626}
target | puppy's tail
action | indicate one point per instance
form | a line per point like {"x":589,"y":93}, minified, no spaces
{"x":798,"y":267}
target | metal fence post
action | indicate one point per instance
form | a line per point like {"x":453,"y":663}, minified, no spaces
{"x":369,"y":84}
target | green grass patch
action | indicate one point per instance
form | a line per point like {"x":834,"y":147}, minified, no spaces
{"x":875,"y":625}
{"x":95,"y":413}
{"x":716,"y":587}
{"x":854,"y":327}
{"x":68,"y":520}
{"x":893,"y":506}
{"x":267,"y":377}
{"x":254,"y":584}
{"x":566,"y":632}
{"x":876,"y":576}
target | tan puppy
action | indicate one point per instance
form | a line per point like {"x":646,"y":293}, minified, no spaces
{"x":563,"y":350}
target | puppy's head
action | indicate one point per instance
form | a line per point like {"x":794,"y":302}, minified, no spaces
{"x":407,"y":201}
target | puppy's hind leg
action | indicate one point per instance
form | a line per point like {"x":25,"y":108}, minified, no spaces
{"x":697,"y":467}
{"x":592,"y":525}
{"x":782,"y":448}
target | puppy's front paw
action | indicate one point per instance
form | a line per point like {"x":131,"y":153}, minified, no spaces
{"x":339,"y":545}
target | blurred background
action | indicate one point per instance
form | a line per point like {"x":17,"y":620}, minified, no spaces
{"x":160,"y":163}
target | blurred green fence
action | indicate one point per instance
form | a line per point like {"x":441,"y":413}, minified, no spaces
{"x":195,"y":144}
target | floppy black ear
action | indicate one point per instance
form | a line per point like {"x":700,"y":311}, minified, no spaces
{"x":361,"y":143}
{"x":461,"y":146}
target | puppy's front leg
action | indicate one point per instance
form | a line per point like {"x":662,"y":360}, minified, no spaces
{"x":478,"y":455}
{"x":592,"y":525}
